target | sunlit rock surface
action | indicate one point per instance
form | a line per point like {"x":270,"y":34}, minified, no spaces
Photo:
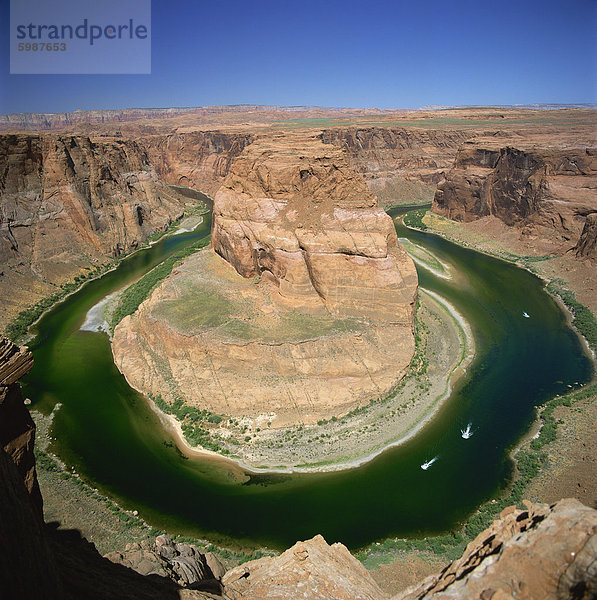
{"x":309,"y":314}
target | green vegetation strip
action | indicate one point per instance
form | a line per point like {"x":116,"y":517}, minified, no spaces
{"x":46,"y":462}
{"x":414,"y":218}
{"x":582,"y":318}
{"x":17,"y":330}
{"x":195,"y":423}
{"x":136,"y":293}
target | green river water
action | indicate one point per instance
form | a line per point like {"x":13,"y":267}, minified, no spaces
{"x":107,"y":432}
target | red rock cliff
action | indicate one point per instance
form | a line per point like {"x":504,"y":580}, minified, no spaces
{"x":547,"y":191}
{"x":67,"y":203}
{"x":293,"y":210}
{"x":197,"y":159}
{"x":398,"y":164}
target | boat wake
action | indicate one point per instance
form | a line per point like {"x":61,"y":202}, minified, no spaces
{"x":467,"y":433}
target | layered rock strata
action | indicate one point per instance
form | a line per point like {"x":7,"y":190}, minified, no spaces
{"x":399,"y":164}
{"x":197,"y":159}
{"x":541,"y":191}
{"x":587,"y":244}
{"x":315,"y":318}
{"x":43,"y":121}
{"x":293,"y":211}
{"x":68,"y":203}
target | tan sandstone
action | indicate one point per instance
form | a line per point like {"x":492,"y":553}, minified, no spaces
{"x":315,"y":318}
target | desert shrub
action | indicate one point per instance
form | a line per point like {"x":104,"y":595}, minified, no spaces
{"x":582,"y":318}
{"x":414,"y":218}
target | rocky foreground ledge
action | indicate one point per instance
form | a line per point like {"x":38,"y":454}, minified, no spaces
{"x":541,"y":551}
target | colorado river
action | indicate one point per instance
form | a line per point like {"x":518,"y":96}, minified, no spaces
{"x":108,"y":433}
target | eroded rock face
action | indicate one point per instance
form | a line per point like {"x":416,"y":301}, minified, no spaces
{"x":27,"y":566}
{"x":545,"y":191}
{"x":181,"y":563}
{"x":311,"y":569}
{"x":17,"y":429}
{"x":197,"y":159}
{"x":587,"y":244}
{"x":294,"y":211}
{"x":398,"y":164}
{"x":68,"y":203}
{"x":543,"y":551}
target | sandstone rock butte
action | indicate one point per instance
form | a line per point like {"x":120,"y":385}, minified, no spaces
{"x":294,"y":212}
{"x":315,"y":319}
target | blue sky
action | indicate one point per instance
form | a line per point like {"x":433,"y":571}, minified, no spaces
{"x":385,"y":54}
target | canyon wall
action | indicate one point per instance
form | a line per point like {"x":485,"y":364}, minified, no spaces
{"x":17,"y":430}
{"x":46,"y":121}
{"x":171,"y":117}
{"x":27,"y":566}
{"x":197,"y":159}
{"x":70,"y":203}
{"x":547,"y":191}
{"x":399,"y":164}
{"x":587,"y":243}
